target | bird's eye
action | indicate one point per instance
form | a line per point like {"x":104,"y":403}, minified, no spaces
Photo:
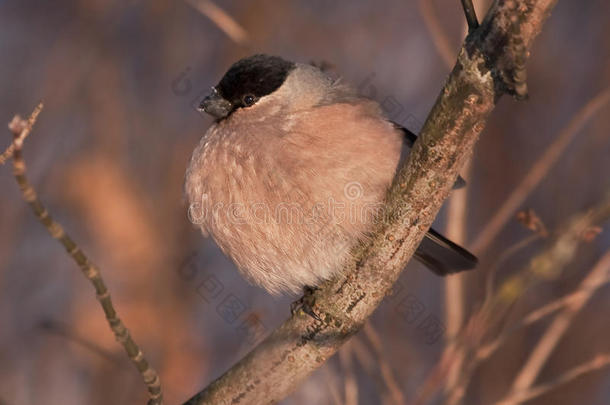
{"x":248,"y":100}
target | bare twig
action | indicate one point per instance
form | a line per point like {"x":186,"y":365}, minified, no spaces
{"x":350,"y":390}
{"x":439,"y":37}
{"x":546,"y":265}
{"x":455,"y":302}
{"x":386,"y":371}
{"x":549,"y":340}
{"x":330,"y":381}
{"x":529,"y":219}
{"x":471,"y":15}
{"x":539,"y":314}
{"x":598,"y":362}
{"x":506,"y":254}
{"x":368,"y":360}
{"x":458,"y":348}
{"x":224,"y":21}
{"x":539,"y":171}
{"x":562,"y":302}
{"x":20,"y":129}
{"x":437,"y":376}
{"x":483,"y":73}
{"x":549,"y":264}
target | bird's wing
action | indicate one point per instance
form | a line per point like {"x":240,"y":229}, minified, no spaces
{"x":410,"y":136}
{"x":442,"y":256}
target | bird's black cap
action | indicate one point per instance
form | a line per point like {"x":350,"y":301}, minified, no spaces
{"x":246,"y":81}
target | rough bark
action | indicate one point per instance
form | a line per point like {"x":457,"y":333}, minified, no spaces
{"x":490,"y":64}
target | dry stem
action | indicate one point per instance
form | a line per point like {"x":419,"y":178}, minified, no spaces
{"x":539,"y":171}
{"x":21,"y":129}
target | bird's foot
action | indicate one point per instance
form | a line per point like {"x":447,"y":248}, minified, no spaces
{"x":305,"y":303}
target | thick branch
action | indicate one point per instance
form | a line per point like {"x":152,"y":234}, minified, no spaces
{"x":489,"y":64}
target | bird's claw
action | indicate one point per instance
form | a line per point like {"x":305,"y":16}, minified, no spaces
{"x":305,"y":303}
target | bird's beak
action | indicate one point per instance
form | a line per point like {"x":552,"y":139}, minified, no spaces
{"x":215,"y":105}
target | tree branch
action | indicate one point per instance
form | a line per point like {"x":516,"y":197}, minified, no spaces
{"x":588,"y":287}
{"x":600,"y":361}
{"x":471,"y":343}
{"x":544,"y":266}
{"x":223,"y":20}
{"x":490,"y":63}
{"x":556,"y":330}
{"x":540,"y":169}
{"x":21,"y":129}
{"x":471,"y":15}
{"x":439,"y":37}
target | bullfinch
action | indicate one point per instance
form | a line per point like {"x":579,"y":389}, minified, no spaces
{"x":294,"y":172}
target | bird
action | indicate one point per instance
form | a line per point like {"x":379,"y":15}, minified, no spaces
{"x":293,"y":173}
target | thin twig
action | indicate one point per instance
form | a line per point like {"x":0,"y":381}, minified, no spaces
{"x":506,"y":254}
{"x":471,"y":15}
{"x":562,"y":302}
{"x":545,"y":266}
{"x":363,"y":354}
{"x":387,"y":374}
{"x":456,"y":349}
{"x":557,"y":329}
{"x":539,"y":171}
{"x":20,"y":129}
{"x":598,"y":362}
{"x":330,"y":381}
{"x":350,"y":390}
{"x":439,"y":37}
{"x":222,"y":19}
{"x":461,"y":348}
{"x":486,"y":350}
{"x":455,"y":300}
{"x":23,"y":128}
{"x":436,"y":376}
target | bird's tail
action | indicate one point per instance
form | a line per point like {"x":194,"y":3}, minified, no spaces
{"x":442,"y":256}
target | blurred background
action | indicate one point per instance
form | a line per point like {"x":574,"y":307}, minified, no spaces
{"x":120,"y":80}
